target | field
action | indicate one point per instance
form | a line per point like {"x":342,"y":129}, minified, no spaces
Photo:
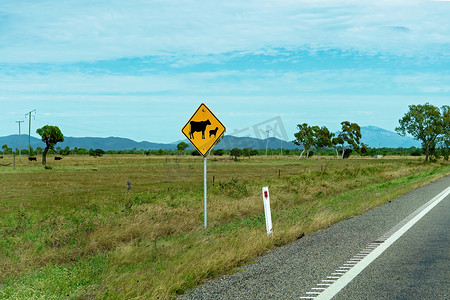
{"x":73,"y":232}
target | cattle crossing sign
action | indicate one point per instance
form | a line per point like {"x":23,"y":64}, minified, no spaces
{"x":203,"y":129}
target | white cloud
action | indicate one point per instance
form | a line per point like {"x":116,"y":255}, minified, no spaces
{"x":66,"y":31}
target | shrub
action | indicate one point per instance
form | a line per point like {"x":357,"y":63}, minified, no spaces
{"x":218,"y":152}
{"x":96,"y":152}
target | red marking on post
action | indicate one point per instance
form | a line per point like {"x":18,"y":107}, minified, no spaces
{"x":266,"y":195}
{"x":378,"y":241}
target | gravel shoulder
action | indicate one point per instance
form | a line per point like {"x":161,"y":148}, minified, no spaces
{"x":292,"y":270}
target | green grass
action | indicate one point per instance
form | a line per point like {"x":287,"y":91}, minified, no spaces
{"x":72,"y":232}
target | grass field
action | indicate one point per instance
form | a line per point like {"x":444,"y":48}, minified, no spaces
{"x":73,"y":232}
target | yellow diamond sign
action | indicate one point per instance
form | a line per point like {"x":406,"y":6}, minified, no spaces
{"x":203,"y":129}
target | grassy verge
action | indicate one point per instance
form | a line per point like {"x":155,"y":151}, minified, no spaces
{"x":73,"y":232}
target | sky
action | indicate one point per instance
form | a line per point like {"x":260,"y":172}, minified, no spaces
{"x":140,"y":69}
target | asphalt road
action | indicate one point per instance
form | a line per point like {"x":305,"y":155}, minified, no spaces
{"x":414,"y":267}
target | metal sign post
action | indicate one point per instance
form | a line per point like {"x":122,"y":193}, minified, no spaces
{"x":203,"y":130}
{"x":204,"y":193}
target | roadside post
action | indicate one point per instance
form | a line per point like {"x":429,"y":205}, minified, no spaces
{"x":266,"y":200}
{"x":203,"y":130}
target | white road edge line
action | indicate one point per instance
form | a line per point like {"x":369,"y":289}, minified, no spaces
{"x":339,"y":284}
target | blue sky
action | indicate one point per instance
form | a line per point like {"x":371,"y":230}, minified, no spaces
{"x":139,"y":69}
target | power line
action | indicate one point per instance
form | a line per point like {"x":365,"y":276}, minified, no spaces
{"x":267,"y":139}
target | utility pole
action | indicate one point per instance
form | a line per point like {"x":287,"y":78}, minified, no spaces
{"x":281,"y":146}
{"x":267,"y":140}
{"x":20,"y":149}
{"x":29,"y":131}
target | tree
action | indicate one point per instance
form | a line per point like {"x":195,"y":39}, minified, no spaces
{"x":181,"y":146}
{"x":195,"y":153}
{"x":364,"y":149}
{"x":96,"y":152}
{"x":65,"y":151}
{"x":337,"y":141}
{"x":236,"y":152}
{"x":218,"y":152}
{"x":50,"y":135}
{"x":254,"y":152}
{"x":445,"y":140}
{"x":246,"y":152}
{"x":7,"y":150}
{"x":322,"y":137}
{"x":304,"y":137}
{"x":38,"y":150}
{"x":350,"y":134}
{"x":426,"y":124}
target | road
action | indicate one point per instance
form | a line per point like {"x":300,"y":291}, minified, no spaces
{"x":416,"y":266}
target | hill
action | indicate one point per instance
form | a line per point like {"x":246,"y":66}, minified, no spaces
{"x":377,"y":137}
{"x":108,"y":143}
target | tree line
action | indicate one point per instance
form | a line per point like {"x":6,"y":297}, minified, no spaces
{"x":426,"y":123}
{"x":344,"y":142}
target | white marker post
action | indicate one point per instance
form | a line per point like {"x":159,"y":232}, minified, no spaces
{"x":266,"y":199}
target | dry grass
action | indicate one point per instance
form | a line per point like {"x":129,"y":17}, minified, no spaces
{"x":76,"y":218}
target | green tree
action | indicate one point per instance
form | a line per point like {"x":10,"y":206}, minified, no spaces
{"x":6,"y":150}
{"x":50,"y":135}
{"x":195,"y":153}
{"x":236,"y":152}
{"x":181,"y":146}
{"x":426,"y":124}
{"x":65,"y":151}
{"x":218,"y":152}
{"x":96,"y":152}
{"x":254,"y":152}
{"x":38,"y":150}
{"x":337,"y":141}
{"x":445,"y":140}
{"x":246,"y":152}
{"x":350,"y":134}
{"x":304,"y":137}
{"x":364,"y":149}
{"x":322,"y":137}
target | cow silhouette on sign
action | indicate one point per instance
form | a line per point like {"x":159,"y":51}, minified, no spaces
{"x":199,"y":126}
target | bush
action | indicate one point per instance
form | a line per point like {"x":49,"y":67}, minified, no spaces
{"x":416,"y":152}
{"x":218,"y":152}
{"x":195,"y":153}
{"x":236,"y":152}
{"x":96,"y":152}
{"x":347,"y":153}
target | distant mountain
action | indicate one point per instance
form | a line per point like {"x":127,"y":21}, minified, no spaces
{"x":12,"y":141}
{"x":373,"y":136}
{"x":109,"y":143}
{"x":230,"y":142}
{"x":112,"y":143}
{"x":378,"y":137}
